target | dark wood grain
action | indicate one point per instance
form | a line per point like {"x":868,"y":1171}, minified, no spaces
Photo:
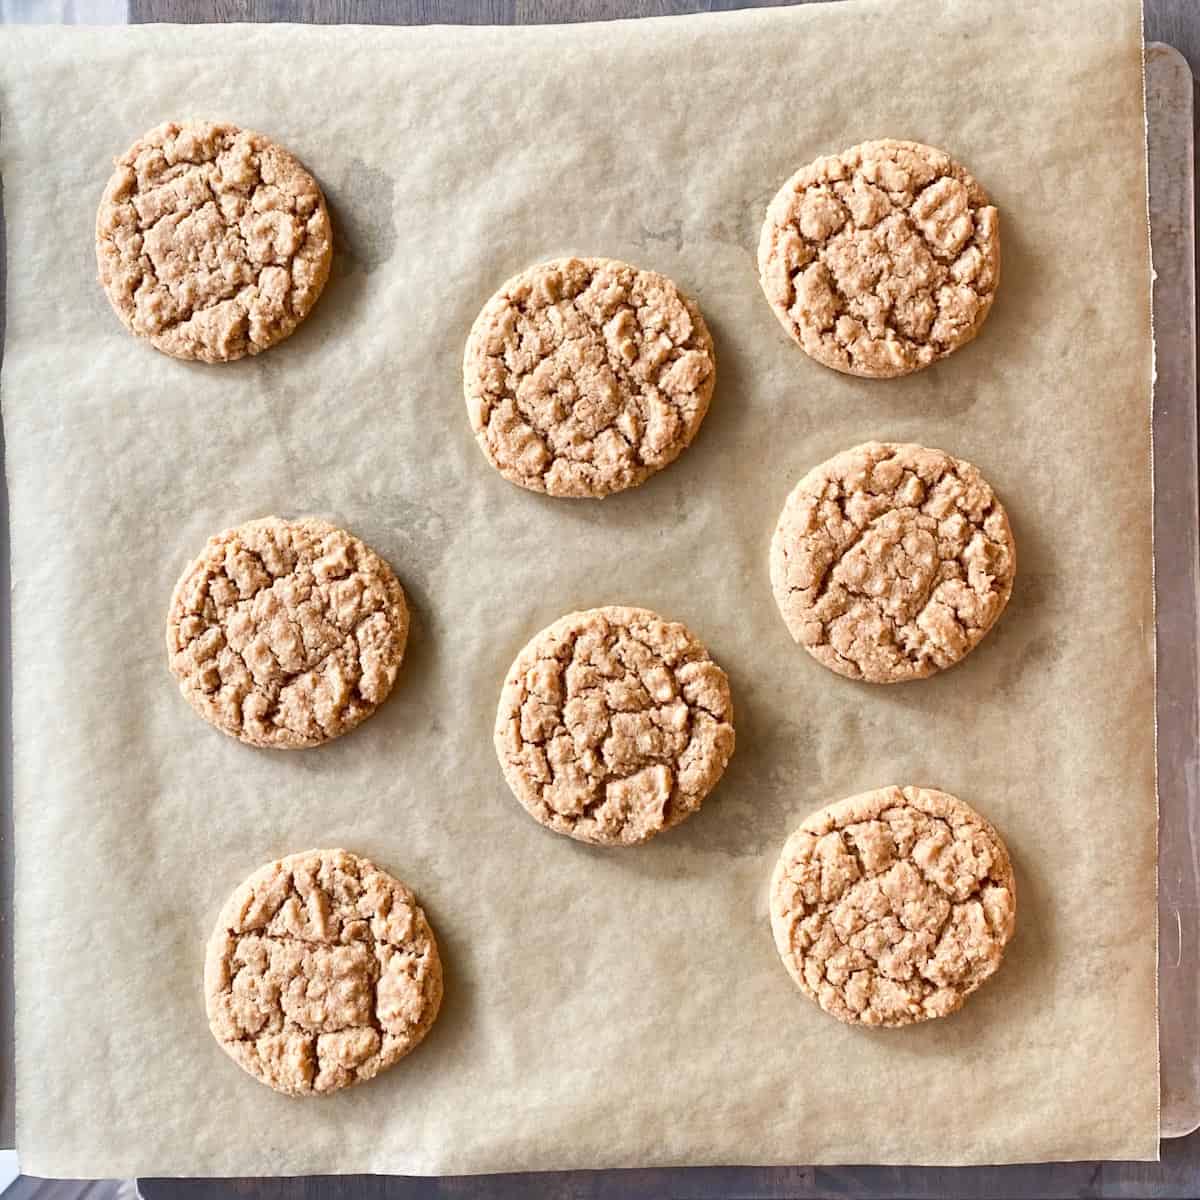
{"x":1177,"y":1175}
{"x":428,"y":12}
{"x":1176,"y":22}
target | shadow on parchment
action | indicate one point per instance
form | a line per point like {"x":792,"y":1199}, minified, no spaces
{"x":946,"y":388}
{"x":1023,"y":982}
{"x":662,"y":501}
{"x":364,"y":238}
{"x":406,"y":707}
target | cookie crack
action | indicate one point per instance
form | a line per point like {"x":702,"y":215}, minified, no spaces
{"x":623,"y":375}
{"x":845,"y":304}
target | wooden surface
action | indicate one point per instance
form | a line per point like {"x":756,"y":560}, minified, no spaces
{"x":431,"y":12}
{"x":1176,"y":22}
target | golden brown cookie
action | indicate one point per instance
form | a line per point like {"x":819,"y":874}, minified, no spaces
{"x":286,"y":634}
{"x":891,"y":562}
{"x":321,"y":972}
{"x":212,"y":242}
{"x":882,"y":259}
{"x":584,"y":376}
{"x":614,"y":725}
{"x":893,"y":906}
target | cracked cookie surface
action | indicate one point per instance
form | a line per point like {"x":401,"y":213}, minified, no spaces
{"x":891,"y":561}
{"x":584,"y":376}
{"x":882,"y":259}
{"x":286,"y":634}
{"x":893,"y":906}
{"x":211,"y":241}
{"x":322,"y":971}
{"x":613,"y":725}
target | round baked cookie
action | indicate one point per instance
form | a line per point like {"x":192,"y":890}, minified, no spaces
{"x":882,"y":259}
{"x":321,"y":972}
{"x":584,"y":376}
{"x":286,"y":634}
{"x":212,"y":242}
{"x":893,"y":906}
{"x":891,"y":562}
{"x":614,"y":725}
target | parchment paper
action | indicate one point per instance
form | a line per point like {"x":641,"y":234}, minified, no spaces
{"x":603,"y":1008}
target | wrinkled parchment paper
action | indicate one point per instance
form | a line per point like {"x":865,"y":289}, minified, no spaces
{"x":603,"y":1008}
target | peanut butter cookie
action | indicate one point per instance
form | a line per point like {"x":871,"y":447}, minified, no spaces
{"x":614,"y":725}
{"x":584,"y":376}
{"x":286,"y":634}
{"x":322,"y":971}
{"x":212,"y":242}
{"x":891,"y":562}
{"x":882,"y":259}
{"x":893,"y":906}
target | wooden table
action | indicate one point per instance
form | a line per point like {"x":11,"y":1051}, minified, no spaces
{"x":1176,"y":22}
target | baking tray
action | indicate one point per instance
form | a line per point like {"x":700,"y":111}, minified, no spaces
{"x":1169,"y":96}
{"x":1169,"y":117}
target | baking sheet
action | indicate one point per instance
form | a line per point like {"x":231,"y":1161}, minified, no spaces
{"x":1169,"y":99}
{"x":603,"y":1009}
